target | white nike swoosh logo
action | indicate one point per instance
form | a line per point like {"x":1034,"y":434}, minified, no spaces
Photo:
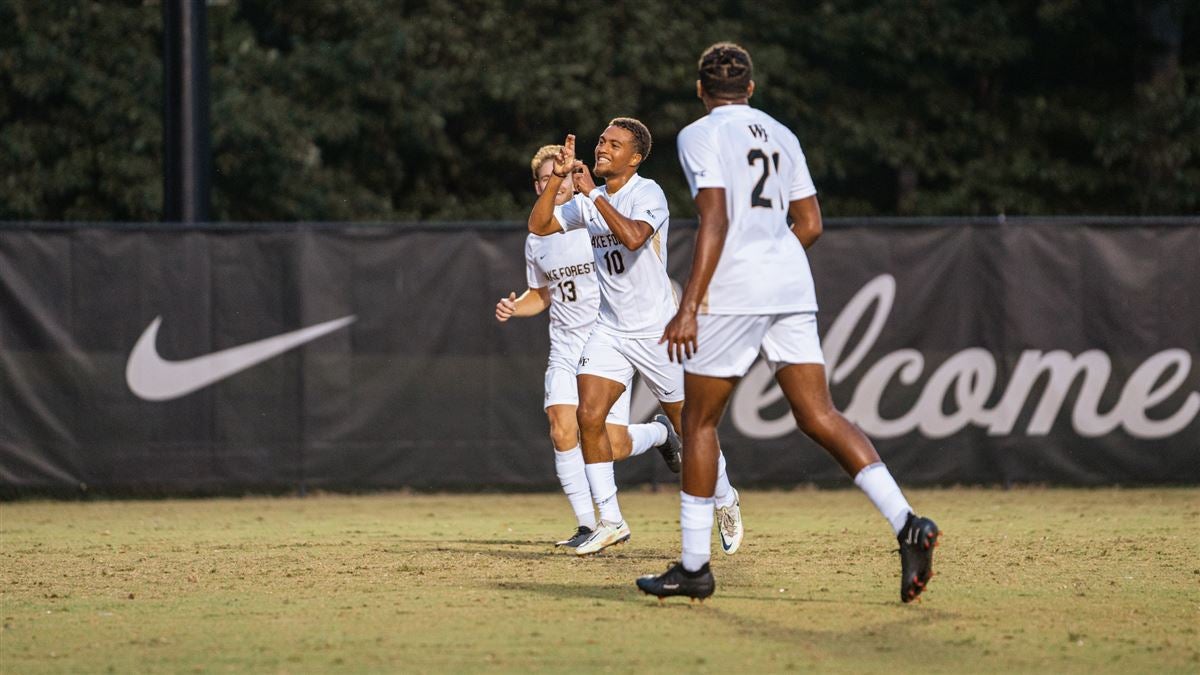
{"x":153,"y":378}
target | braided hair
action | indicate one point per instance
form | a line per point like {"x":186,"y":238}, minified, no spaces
{"x":725,"y":70}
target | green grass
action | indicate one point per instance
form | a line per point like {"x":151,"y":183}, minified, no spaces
{"x":1027,"y":580}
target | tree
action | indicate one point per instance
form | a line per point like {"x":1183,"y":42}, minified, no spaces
{"x":357,"y":110}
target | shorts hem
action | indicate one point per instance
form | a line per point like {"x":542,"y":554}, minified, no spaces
{"x":769,"y":311}
{"x":610,"y":378}
{"x":688,"y":371}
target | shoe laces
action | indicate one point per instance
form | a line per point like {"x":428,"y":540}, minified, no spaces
{"x":727,"y":520}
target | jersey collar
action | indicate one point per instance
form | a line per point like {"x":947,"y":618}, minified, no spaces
{"x":728,"y":108}
{"x":635,"y":178}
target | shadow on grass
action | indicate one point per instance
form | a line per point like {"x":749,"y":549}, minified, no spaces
{"x":799,"y":628}
{"x":504,"y":549}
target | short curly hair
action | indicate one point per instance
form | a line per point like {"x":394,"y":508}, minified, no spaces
{"x":544,"y":153}
{"x":725,"y":70}
{"x":641,"y":134}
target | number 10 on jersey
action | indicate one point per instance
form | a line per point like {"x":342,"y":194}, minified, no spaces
{"x":614,"y":262}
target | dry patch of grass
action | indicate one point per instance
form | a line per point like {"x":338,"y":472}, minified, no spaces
{"x":1027,"y":580}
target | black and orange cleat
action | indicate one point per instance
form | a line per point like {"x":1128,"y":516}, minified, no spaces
{"x":676,"y":580}
{"x":917,"y":540}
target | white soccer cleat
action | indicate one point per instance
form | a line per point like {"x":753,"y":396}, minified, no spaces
{"x":729,"y":525}
{"x":605,"y":535}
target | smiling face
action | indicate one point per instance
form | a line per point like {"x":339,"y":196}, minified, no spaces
{"x":616,"y":153}
{"x":565,"y":190}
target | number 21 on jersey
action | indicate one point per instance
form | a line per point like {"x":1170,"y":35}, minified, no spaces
{"x":757,"y":156}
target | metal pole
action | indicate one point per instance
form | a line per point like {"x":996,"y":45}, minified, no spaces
{"x":186,"y":134}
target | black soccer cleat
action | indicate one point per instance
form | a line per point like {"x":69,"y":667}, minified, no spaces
{"x":672,"y":447}
{"x":696,"y":585}
{"x":917,"y":540}
{"x":576,"y":539}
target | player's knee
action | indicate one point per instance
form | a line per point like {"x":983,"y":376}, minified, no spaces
{"x":698,"y":421}
{"x":564,"y":435}
{"x":590,"y":417}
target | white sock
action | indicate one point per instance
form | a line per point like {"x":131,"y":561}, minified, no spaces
{"x":881,"y":488}
{"x":723,"y":493}
{"x":696,"y":523}
{"x":604,"y":490}
{"x":570,"y":469}
{"x":646,"y":436}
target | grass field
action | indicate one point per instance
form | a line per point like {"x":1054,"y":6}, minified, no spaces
{"x":1027,"y":580}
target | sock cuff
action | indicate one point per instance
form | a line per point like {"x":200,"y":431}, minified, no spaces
{"x":695,"y":513}
{"x":863,"y":474}
{"x":569,"y":462}
{"x":567,"y":455}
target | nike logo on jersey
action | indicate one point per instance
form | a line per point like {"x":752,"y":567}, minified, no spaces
{"x":153,"y":378}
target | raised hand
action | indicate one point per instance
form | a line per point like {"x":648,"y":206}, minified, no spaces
{"x":584,"y":183}
{"x":564,"y":161}
{"x":506,"y":307}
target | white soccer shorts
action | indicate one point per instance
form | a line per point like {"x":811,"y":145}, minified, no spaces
{"x":728,"y":344}
{"x":562,"y":389}
{"x":618,"y":358}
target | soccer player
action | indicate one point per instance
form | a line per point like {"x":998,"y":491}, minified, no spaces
{"x":751,"y":291}
{"x":626,"y":220}
{"x":558,"y":270}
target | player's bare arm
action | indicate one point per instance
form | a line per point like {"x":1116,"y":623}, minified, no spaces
{"x":631,"y":233}
{"x":680,"y":334}
{"x":532,"y":302}
{"x":806,"y":220}
{"x":541,"y":219}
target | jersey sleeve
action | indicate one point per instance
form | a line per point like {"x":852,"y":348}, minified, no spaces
{"x":570,"y":215}
{"x":532,"y":273}
{"x":650,"y":205}
{"x":699,"y":156}
{"x":802,"y":182}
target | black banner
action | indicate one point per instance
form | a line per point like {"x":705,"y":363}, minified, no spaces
{"x":346,"y":357}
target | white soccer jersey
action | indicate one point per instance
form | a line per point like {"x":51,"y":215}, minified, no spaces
{"x":763,"y":268}
{"x":636,"y":298}
{"x":564,"y":263}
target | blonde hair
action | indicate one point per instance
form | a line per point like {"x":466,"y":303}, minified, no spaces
{"x":544,"y":153}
